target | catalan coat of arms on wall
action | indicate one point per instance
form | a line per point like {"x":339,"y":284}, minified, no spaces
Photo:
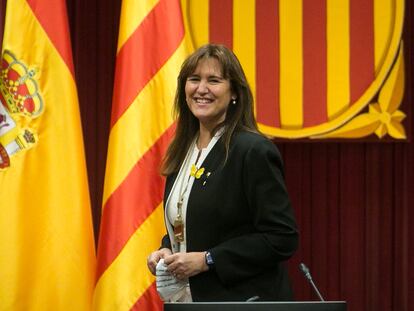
{"x":317,"y":68}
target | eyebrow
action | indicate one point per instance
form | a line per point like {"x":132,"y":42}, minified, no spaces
{"x":211,"y":76}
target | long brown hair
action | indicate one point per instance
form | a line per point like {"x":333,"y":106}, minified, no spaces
{"x":238,"y":117}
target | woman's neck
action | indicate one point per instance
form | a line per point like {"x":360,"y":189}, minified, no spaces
{"x":204,"y":137}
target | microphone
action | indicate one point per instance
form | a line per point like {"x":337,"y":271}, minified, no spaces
{"x":307,"y":274}
{"x":254,"y":298}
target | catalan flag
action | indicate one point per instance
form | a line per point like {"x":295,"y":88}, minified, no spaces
{"x":151,"y":48}
{"x":47,"y":256}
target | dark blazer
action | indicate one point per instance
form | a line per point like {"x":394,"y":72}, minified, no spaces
{"x":241,"y":213}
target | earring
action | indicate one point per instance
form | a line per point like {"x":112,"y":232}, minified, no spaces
{"x":233,"y":101}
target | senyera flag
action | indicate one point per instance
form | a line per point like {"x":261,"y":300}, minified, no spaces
{"x":152,"y":45}
{"x":47,"y":256}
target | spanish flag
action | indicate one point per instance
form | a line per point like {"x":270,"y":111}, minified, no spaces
{"x":151,"y":48}
{"x":47,"y":259}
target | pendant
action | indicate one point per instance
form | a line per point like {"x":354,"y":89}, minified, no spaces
{"x":178,"y":229}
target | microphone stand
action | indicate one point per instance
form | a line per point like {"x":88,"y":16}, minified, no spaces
{"x":307,"y":274}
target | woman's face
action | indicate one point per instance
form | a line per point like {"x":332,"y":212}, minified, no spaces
{"x":207,"y":93}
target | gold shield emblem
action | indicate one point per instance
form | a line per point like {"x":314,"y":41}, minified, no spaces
{"x":314,"y":66}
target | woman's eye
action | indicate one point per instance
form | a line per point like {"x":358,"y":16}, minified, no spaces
{"x":214,"y":80}
{"x":192,"y":79}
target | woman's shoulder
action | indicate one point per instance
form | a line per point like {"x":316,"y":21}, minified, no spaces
{"x":255,"y":146}
{"x":250,"y":139}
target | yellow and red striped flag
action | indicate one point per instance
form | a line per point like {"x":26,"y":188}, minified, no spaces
{"x":152,"y":45}
{"x":47,"y":258}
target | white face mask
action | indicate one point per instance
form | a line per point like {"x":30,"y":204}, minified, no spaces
{"x":168,"y":287}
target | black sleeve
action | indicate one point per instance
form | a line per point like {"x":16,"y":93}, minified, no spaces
{"x":275,"y":236}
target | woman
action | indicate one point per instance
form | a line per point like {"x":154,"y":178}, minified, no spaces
{"x":228,"y":216}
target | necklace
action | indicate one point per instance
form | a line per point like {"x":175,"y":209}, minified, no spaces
{"x":178,"y":224}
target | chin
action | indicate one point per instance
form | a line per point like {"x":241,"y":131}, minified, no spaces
{"x":201,"y":115}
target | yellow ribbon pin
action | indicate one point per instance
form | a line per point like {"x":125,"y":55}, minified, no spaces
{"x":196,"y":172}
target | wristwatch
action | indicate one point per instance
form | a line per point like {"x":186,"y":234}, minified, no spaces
{"x":209,"y":260}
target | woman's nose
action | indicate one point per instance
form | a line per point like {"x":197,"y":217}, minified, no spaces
{"x":202,"y":87}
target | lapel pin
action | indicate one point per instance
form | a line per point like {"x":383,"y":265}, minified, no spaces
{"x":207,"y":175}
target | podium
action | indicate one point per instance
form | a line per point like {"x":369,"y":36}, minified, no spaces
{"x":257,"y":306}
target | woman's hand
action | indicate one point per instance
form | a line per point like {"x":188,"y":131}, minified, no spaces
{"x":154,"y":257}
{"x":184,"y":265}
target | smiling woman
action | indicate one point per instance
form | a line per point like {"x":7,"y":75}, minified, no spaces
{"x":228,"y":215}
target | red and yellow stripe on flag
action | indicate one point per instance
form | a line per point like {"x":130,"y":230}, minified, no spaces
{"x":151,"y":48}
{"x":47,"y":258}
